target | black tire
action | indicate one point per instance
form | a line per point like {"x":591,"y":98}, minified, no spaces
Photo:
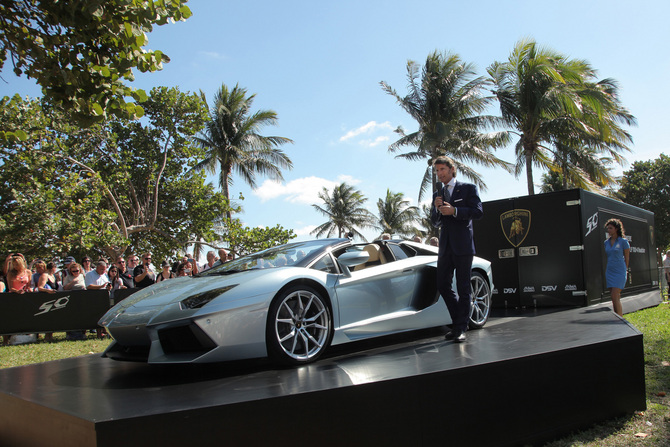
{"x":299,"y":326}
{"x":481,"y":301}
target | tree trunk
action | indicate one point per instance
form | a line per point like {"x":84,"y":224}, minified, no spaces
{"x":529,"y":172}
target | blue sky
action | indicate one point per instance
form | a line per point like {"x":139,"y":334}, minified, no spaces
{"x":319,"y":64}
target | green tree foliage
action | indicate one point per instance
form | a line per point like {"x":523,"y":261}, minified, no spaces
{"x":244,"y":240}
{"x":345,"y":211}
{"x":446,"y":100}
{"x":232,"y":141}
{"x":647,"y":185}
{"x":565,"y":121}
{"x":396,"y":216}
{"x":83,"y":52}
{"x":108,"y":188}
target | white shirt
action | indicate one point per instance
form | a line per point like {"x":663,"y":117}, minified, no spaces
{"x":92,"y":277}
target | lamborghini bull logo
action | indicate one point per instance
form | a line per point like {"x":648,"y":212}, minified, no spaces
{"x":515,"y":225}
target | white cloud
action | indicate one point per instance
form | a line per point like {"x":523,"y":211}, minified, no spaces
{"x":372,"y":143}
{"x":304,"y":231}
{"x":303,"y":190}
{"x":213,"y":55}
{"x":368,"y":128}
{"x":343,"y":178}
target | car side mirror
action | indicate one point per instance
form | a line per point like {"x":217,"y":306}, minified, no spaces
{"x":351,"y":259}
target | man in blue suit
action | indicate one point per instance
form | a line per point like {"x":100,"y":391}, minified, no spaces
{"x":455,"y":205}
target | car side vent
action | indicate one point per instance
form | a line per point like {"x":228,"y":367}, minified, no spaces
{"x":184,"y":339}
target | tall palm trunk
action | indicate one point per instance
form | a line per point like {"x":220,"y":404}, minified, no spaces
{"x":529,"y":172}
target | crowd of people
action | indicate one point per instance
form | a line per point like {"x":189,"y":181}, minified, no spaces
{"x":21,"y":276}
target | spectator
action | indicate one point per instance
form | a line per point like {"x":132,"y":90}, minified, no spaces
{"x":34,"y":278}
{"x":133,"y":262}
{"x":97,"y":279}
{"x":115,"y":279}
{"x":166,"y":273}
{"x":44,"y":281}
{"x":666,"y":264}
{"x":125,"y":275}
{"x":18,"y":275}
{"x":386,"y":237}
{"x":3,"y":276}
{"x":66,"y":263}
{"x":435,"y":242}
{"x":5,"y":269}
{"x":223,"y":257}
{"x":194,"y":266}
{"x":52,"y":271}
{"x":74,"y":280}
{"x":184,"y":269}
{"x":144,"y":275}
{"x":417,"y":238}
{"x":211,"y":259}
{"x":86,"y":264}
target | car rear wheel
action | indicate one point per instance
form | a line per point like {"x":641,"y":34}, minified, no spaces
{"x":481,"y":301}
{"x":300,"y":326}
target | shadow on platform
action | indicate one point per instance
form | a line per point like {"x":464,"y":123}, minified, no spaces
{"x":525,"y":378}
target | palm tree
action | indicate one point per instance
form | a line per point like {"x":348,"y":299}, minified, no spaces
{"x":426,"y":223}
{"x":559,"y":114}
{"x":585,"y":158}
{"x":396,"y":216}
{"x":232,"y":141}
{"x":447,"y":103}
{"x":344,"y":209}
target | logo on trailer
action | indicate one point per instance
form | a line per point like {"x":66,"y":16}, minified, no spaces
{"x":515,"y":225}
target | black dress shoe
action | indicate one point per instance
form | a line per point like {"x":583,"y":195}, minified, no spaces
{"x":460,"y":338}
{"x":451,"y":335}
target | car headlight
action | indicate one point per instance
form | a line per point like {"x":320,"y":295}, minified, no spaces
{"x":201,"y":299}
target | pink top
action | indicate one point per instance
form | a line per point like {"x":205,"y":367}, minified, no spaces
{"x":21,"y":281}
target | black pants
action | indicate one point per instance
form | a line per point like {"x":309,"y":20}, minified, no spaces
{"x":458,"y":305}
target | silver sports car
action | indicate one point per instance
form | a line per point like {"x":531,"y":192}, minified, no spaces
{"x":289,"y":303}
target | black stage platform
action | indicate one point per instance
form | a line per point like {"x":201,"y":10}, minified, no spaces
{"x":524,"y":379}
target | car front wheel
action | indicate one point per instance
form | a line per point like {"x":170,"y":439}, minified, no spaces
{"x":300,"y":326}
{"x":481,"y":301}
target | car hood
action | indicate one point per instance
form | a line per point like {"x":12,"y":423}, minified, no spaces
{"x":149,"y":300}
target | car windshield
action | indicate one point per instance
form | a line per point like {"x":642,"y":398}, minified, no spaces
{"x":297,"y":254}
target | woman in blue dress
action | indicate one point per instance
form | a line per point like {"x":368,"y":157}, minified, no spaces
{"x":617,"y":250}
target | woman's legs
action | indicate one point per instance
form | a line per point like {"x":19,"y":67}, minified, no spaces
{"x":616,"y":301}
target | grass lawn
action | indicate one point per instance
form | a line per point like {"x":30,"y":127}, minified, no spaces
{"x":648,"y":428}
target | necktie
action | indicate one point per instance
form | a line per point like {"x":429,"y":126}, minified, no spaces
{"x":445,"y":194}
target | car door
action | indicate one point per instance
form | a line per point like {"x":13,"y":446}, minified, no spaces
{"x":372,"y":301}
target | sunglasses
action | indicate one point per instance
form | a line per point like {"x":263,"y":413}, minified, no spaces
{"x":74,"y":271}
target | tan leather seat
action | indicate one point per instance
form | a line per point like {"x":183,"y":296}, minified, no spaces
{"x":375,"y":257}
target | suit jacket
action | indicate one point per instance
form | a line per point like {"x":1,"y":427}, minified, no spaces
{"x":456,"y":232}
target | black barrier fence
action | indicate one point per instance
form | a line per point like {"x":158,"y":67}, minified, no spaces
{"x":55,"y":312}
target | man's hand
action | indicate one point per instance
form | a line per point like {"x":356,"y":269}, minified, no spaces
{"x":447,"y":210}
